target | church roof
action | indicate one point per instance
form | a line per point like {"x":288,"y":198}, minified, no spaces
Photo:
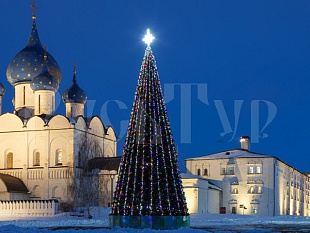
{"x":229,"y":154}
{"x":74,"y":94}
{"x":2,"y":90}
{"x":29,"y":62}
{"x":44,"y":81}
{"x":13,"y":184}
{"x":105,"y":163}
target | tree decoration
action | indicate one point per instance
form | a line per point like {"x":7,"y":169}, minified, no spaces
{"x":149,"y":182}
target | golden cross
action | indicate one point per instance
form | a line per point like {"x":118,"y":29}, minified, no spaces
{"x":74,"y":65}
{"x":34,"y":8}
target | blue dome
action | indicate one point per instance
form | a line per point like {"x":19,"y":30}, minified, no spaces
{"x":29,"y":62}
{"x":74,"y":94}
{"x":44,"y":81}
{"x":2,"y":90}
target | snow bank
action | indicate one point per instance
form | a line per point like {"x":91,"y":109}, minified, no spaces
{"x":77,"y":222}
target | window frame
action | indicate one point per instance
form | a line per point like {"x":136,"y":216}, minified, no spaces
{"x":10,"y":160}
{"x":198,"y":172}
{"x":59,"y":157}
{"x":36,"y":158}
{"x":205,"y":171}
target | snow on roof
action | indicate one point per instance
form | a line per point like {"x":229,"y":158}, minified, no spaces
{"x":191,"y":176}
{"x":235,"y":153}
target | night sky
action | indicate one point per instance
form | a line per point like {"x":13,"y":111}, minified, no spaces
{"x":227,"y":68}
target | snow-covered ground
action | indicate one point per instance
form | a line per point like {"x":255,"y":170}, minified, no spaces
{"x":200,"y":223}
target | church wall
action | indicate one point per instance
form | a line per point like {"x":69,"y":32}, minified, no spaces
{"x":45,"y":176}
{"x":5,"y":196}
{"x":110,"y":143}
{"x":2,"y":187}
{"x":0,"y":105}
{"x":59,"y":122}
{"x":9,"y":145}
{"x":10,"y":122}
{"x":44,"y":102}
{"x":24,"y":96}
{"x":80,"y":124}
{"x":74,"y":109}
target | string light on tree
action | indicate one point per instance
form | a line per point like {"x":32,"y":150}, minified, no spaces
{"x":149,"y":184}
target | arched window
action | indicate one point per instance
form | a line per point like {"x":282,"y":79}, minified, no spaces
{"x":56,"y":192}
{"x":58,"y":157}
{"x":36,"y":158}
{"x":205,"y":172}
{"x":36,"y":192}
{"x":9,"y":160}
{"x":198,"y":172}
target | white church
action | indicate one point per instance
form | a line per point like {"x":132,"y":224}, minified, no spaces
{"x":43,"y":154}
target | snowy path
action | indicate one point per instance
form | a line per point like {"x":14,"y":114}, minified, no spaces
{"x":208,"y":222}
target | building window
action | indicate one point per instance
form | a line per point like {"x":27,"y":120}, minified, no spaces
{"x":259,"y":189}
{"x":235,"y":191}
{"x":231,"y":171}
{"x":258,"y":169}
{"x":251,"y":170}
{"x":9,"y":160}
{"x":223,"y":171}
{"x":252,"y":189}
{"x":36,"y":158}
{"x":254,"y":210}
{"x":198,"y":172}
{"x":205,"y":172}
{"x":58,"y":157}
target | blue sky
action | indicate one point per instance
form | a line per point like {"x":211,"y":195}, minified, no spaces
{"x":228,"y":68}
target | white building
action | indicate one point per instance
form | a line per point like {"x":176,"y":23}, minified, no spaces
{"x":202,"y":196}
{"x":254,"y":183}
{"x":48,"y":152}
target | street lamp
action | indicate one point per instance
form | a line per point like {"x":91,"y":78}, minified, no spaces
{"x":112,"y":175}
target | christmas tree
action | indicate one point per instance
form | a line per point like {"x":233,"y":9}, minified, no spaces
{"x":149,"y":182}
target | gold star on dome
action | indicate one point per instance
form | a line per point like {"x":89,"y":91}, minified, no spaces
{"x":148,"y":38}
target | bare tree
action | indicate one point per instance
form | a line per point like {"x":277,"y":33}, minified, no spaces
{"x":86,"y":180}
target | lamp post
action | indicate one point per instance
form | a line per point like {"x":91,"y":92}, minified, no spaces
{"x":112,"y":178}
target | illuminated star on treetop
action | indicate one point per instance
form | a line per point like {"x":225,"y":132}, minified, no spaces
{"x":148,"y":38}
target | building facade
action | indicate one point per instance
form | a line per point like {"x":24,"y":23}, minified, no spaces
{"x":254,"y":183}
{"x":202,"y":196}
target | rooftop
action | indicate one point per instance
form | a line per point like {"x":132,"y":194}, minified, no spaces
{"x":235,"y":153}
